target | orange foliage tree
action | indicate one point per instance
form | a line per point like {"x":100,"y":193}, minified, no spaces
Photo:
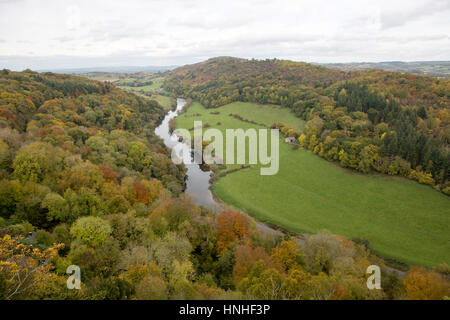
{"x":232,"y":226}
{"x":287,"y":255}
{"x":421,"y":284}
{"x":245,"y":257}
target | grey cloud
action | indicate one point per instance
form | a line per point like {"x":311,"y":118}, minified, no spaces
{"x":64,"y":39}
{"x":117,"y":31}
{"x":273,"y":39}
{"x":213,"y":22}
{"x":9,"y":1}
{"x":176,"y":32}
{"x":398,"y":18}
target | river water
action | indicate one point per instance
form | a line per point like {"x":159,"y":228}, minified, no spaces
{"x":197,"y":182}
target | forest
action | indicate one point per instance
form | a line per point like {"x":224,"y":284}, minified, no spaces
{"x":370,"y":121}
{"x":439,"y":69}
{"x":85,"y":182}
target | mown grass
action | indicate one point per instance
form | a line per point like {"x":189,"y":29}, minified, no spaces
{"x":402,"y":219}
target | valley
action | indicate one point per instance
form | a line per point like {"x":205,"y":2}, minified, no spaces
{"x":244,"y":152}
{"x":401,"y":219}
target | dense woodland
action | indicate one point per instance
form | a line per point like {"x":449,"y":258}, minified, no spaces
{"x":370,"y":121}
{"x":439,"y":69}
{"x":84,"y":181}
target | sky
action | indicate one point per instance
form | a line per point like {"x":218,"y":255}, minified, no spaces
{"x":49,"y":34}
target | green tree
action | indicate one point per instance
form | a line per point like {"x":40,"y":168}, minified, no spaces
{"x":139,"y":156}
{"x":4,"y":154}
{"x":92,"y":231}
{"x":84,"y":203}
{"x":11,"y":192}
{"x":36,"y":161}
{"x":57,"y":206}
{"x":152,"y":288}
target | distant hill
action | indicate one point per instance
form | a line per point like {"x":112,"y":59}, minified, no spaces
{"x":122,"y":69}
{"x":221,"y":80}
{"x":429,"y":68}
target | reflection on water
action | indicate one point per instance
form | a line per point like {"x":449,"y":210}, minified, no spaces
{"x":197,"y":183}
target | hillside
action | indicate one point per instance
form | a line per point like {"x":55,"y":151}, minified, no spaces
{"x":223,"y":80}
{"x":439,"y":69}
{"x":388,"y":122}
{"x":56,"y":128}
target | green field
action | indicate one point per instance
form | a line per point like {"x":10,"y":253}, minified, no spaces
{"x":165,"y":101}
{"x":157,"y":83}
{"x":264,"y":114}
{"x":124,"y":82}
{"x":402,"y":219}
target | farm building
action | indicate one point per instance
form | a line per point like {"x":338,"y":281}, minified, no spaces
{"x":290,"y":140}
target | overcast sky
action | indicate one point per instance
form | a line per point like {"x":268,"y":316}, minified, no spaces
{"x":64,"y":34}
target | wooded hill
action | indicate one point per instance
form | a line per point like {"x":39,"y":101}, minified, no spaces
{"x":439,"y":69}
{"x":373,"y":120}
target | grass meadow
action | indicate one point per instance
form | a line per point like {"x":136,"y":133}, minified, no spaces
{"x":402,"y":219}
{"x":165,"y":101}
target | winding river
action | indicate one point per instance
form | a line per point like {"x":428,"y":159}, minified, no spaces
{"x":197,"y":182}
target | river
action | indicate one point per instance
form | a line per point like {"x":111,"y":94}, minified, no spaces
{"x":197,"y":182}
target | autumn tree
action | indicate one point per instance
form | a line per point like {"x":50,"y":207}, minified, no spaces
{"x":245,"y":257}
{"x":288,"y":255}
{"x":421,"y":284}
{"x":22,"y":266}
{"x":323,"y":251}
{"x":232,"y":226}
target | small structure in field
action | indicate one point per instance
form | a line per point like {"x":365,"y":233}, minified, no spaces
{"x":290,"y":140}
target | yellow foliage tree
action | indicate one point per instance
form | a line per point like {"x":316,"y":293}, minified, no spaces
{"x":421,"y":284}
{"x":22,"y":266}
